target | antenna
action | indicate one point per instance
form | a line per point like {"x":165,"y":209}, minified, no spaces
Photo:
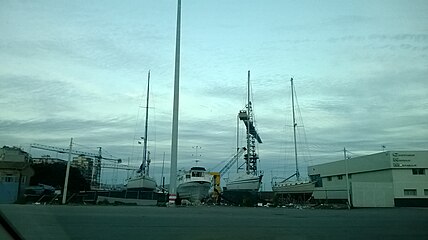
{"x":196,"y":155}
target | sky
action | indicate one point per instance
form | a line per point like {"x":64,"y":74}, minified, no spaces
{"x":79,"y":69}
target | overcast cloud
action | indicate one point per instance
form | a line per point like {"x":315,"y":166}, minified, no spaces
{"x":79,"y":69}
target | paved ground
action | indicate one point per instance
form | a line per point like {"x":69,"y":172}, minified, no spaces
{"x":129,"y":222}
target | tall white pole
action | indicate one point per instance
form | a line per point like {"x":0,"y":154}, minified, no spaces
{"x":67,"y":173}
{"x":347,"y":178}
{"x":174,"y":141}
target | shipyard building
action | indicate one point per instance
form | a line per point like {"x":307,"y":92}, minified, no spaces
{"x":385,"y":179}
{"x":15,"y":173}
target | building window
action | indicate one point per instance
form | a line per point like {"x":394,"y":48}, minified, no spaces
{"x":426,"y":192}
{"x":9,"y":179}
{"x":328,"y":178}
{"x":410,"y":192}
{"x":340,"y":177}
{"x":317,"y":179}
{"x":418,"y":171}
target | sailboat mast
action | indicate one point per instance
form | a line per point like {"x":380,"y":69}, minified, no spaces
{"x":294,"y":130}
{"x":146,"y":126}
{"x":248,"y":123}
{"x":237,"y":142}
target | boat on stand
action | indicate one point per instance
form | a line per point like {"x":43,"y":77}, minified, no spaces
{"x":141,"y":181}
{"x":248,"y":179}
{"x":194,"y":184}
{"x":294,"y":188}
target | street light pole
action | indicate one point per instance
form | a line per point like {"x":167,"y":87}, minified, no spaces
{"x":67,"y":173}
{"x":162,"y":177}
{"x":347,"y":178}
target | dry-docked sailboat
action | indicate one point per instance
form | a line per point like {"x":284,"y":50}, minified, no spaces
{"x":251,"y":178}
{"x":141,"y":180}
{"x":193,"y":184}
{"x":297,"y":186}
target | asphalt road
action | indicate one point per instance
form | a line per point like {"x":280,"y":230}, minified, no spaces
{"x":215,"y":222}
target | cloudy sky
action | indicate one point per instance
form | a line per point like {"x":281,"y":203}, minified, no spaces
{"x":79,"y":69}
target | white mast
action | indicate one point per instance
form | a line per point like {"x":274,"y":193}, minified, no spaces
{"x":174,"y":141}
{"x":144,"y":165}
{"x":294,"y":130}
{"x":237,"y":142}
{"x":248,"y":123}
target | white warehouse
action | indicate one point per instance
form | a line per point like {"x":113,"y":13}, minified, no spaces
{"x":385,"y":179}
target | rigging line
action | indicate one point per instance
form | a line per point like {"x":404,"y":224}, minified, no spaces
{"x":136,"y":128}
{"x":155,"y":132}
{"x":110,"y":155}
{"x":89,"y":147}
{"x":286,"y":141}
{"x":254,"y":120}
{"x":223,"y":161}
{"x":306,"y":146}
{"x":84,"y":147}
{"x":354,"y":154}
{"x":285,"y":151}
{"x":252,"y":104}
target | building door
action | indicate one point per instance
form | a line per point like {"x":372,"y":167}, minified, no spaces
{"x":8,"y":191}
{"x":372,"y":194}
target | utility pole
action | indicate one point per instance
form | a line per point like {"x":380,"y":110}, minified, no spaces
{"x":67,"y":173}
{"x":162,"y":177}
{"x":347,"y":178}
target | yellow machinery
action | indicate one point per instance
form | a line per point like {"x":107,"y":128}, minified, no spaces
{"x":217,"y":175}
{"x":216,"y":186}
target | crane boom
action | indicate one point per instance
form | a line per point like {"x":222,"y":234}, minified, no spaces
{"x":232,"y":161}
{"x":62,"y":150}
{"x":74,"y":152}
{"x":121,"y":167}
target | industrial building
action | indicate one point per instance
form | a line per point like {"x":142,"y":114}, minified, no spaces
{"x":85,"y":166}
{"x":385,"y":179}
{"x":15,"y":173}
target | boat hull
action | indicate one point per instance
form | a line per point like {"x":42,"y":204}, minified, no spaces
{"x":246,"y":183}
{"x":144,"y":183}
{"x":294,"y":187}
{"x":194,"y":190}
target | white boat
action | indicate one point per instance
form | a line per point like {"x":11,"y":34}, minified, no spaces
{"x":141,"y":180}
{"x":249,"y":179}
{"x":245,"y":182}
{"x":297,"y":186}
{"x":304,"y":187}
{"x":194,"y":184}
